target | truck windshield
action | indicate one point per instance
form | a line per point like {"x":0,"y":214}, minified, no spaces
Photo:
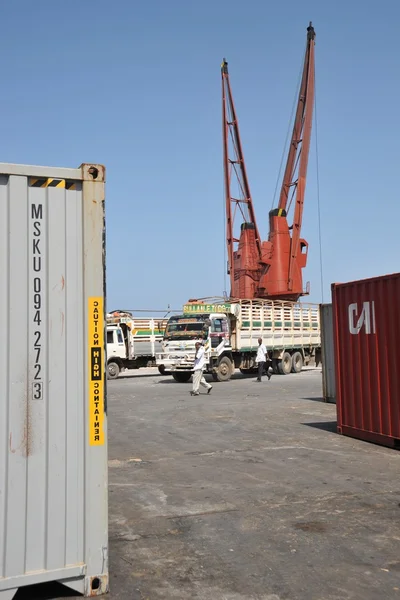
{"x":186,"y":329}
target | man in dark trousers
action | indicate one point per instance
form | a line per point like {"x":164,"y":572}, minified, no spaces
{"x":261,"y":359}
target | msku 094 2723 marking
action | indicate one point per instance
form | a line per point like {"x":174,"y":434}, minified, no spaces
{"x":36,"y":293}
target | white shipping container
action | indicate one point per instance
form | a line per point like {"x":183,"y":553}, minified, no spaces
{"x":328,"y":354}
{"x":53,"y":411}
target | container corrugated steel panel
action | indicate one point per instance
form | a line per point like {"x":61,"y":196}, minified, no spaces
{"x":53,"y":413}
{"x":366,"y":336}
{"x":328,"y":353}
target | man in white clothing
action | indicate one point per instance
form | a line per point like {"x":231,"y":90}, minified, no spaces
{"x":261,"y":359}
{"x":198,"y":378}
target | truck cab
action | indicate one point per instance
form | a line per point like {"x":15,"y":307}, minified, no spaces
{"x":116,"y":351}
{"x":181,"y":334}
{"x":115,"y":342}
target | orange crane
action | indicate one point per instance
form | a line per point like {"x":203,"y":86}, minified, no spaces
{"x":272,"y":268}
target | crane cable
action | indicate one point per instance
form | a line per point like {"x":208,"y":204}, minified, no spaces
{"x":225,"y":293}
{"x":318,"y":199}
{"x":289,"y":129}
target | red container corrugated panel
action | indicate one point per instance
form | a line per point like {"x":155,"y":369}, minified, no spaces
{"x":366,"y":321}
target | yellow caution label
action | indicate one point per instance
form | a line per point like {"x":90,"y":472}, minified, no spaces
{"x":96,"y":371}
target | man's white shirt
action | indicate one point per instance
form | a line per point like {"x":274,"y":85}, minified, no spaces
{"x":261,"y":352}
{"x":200,"y":359}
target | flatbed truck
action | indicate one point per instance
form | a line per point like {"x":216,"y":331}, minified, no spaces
{"x":230,"y":330}
{"x":132,"y":343}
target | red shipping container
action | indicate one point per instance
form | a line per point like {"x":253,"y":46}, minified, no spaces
{"x":366,"y":324}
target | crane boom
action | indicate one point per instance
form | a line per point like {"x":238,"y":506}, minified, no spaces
{"x":308,"y":105}
{"x":285,"y":254}
{"x":304,"y":93}
{"x":244,"y":259}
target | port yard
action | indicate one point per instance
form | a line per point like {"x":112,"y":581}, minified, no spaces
{"x":248,"y":493}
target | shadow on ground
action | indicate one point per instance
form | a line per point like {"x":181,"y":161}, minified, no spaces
{"x":136,"y":374}
{"x":330,"y":426}
{"x":142,"y":374}
{"x":316,"y":399}
{"x":44,"y":591}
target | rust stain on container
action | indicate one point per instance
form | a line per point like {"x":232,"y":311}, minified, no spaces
{"x":366,"y":323}
{"x":60,"y":285}
{"x":97,"y":586}
{"x":27,"y":439}
{"x":95,"y":172}
{"x":24,"y":445}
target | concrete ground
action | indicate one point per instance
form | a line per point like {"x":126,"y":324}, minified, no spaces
{"x":246,"y":494}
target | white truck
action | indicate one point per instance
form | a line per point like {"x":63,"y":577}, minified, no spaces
{"x":230,"y":330}
{"x":132,"y":343}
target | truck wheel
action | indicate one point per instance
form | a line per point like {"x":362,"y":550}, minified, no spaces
{"x":224,"y":370}
{"x":161,"y":369}
{"x":285,"y":364}
{"x":297,"y":362}
{"x":113,"y":370}
{"x":182,"y":377}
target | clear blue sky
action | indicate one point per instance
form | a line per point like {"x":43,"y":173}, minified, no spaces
{"x":136,"y":86}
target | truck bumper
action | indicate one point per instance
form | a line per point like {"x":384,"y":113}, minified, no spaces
{"x":175,"y":364}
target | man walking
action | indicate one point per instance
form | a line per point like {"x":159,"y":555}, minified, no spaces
{"x":261,"y":359}
{"x":198,"y":377}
